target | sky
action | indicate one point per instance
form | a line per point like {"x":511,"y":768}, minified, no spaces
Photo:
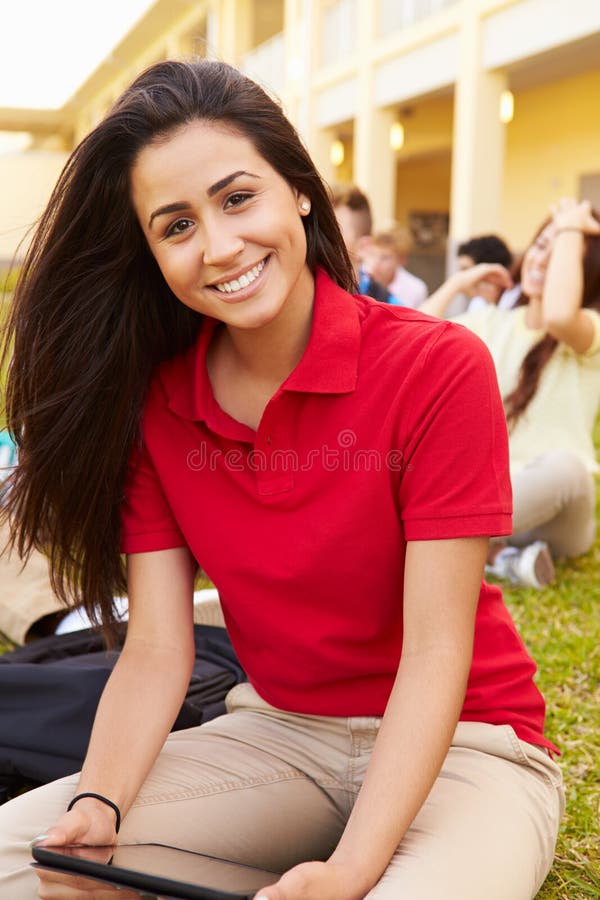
{"x":49,"y":47}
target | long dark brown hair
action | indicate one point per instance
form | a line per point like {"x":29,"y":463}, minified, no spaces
{"x":92,"y":316}
{"x":533,"y":364}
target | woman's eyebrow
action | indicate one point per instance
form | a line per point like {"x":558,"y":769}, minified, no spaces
{"x":219,"y":185}
{"x":212,"y":190}
{"x":169,"y":208}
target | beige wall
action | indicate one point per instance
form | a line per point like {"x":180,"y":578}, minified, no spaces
{"x":423,"y":184}
{"x":423,"y":167}
{"x":268,"y":20}
{"x":344,"y":173}
{"x":552,"y":141}
{"x":427,"y":126}
{"x":26,"y":181}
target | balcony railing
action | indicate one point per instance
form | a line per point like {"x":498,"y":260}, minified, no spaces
{"x":396,"y":14}
{"x":338,"y":32}
{"x":266,"y":63}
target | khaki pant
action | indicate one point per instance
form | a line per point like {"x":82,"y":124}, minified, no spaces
{"x":554,"y":500}
{"x":25,"y":593}
{"x":29,"y":608}
{"x":273,"y":788}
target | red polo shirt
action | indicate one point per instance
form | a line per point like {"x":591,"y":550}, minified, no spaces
{"x":390,"y":429}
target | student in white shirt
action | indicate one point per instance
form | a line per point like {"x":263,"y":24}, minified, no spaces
{"x":547,"y":355}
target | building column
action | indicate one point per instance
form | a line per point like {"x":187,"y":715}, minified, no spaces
{"x":375,"y":163}
{"x":374,"y":160}
{"x":295,"y":37}
{"x":478,"y":139}
{"x":173,"y":46}
{"x":320,"y":146}
{"x":235,"y":30}
{"x":212,"y":29}
{"x":316,"y":137}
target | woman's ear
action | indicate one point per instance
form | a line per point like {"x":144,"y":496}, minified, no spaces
{"x":303,"y":205}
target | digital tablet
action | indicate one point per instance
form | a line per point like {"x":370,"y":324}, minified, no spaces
{"x":158,"y":869}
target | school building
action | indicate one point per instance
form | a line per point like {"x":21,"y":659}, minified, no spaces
{"x":456,"y":117}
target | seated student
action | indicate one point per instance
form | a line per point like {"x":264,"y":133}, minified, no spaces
{"x":412,"y":291}
{"x":464,"y":296}
{"x":353,"y":213}
{"x":8,"y":456}
{"x":383,"y":259}
{"x":28,"y":606}
{"x":195,"y":383}
{"x":487,"y":248}
{"x":547,"y":355}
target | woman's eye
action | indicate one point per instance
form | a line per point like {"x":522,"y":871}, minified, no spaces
{"x":178,"y":227}
{"x":236,"y":199}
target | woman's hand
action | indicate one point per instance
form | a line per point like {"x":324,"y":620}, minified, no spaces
{"x":569,"y":214}
{"x":564,"y":287}
{"x":484,"y":279}
{"x":89,"y":822}
{"x":316,"y":881}
{"x":57,"y":885}
{"x":479,"y":278}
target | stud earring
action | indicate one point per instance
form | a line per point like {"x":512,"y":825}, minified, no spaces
{"x":305,"y":205}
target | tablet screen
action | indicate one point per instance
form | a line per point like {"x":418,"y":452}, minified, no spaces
{"x":159,"y":868}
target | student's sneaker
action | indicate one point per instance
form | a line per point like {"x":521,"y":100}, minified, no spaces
{"x":532,"y":566}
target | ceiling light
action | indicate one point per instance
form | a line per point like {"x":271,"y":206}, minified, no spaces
{"x":337,"y":153}
{"x":507,"y":106}
{"x":397,"y":136}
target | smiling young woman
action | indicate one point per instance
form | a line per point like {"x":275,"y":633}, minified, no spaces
{"x":224,"y":227}
{"x":187,"y":298}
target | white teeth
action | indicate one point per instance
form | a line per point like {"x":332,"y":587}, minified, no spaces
{"x":228,"y":287}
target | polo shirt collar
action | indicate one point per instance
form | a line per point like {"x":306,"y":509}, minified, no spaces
{"x":329,"y":364}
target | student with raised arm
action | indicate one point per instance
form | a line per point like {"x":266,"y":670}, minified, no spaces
{"x":194,"y":383}
{"x":547,"y":355}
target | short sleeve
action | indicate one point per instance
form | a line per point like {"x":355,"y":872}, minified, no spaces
{"x":456,"y":479}
{"x":147,"y":522}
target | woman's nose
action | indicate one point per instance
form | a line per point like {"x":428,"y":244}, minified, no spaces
{"x":221,"y":245}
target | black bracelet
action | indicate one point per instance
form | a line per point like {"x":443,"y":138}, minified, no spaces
{"x":103,"y":800}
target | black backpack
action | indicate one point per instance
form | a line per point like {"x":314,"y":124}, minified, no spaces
{"x":50,"y":688}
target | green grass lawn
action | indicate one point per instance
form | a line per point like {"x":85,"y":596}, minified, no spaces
{"x":561,"y":628}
